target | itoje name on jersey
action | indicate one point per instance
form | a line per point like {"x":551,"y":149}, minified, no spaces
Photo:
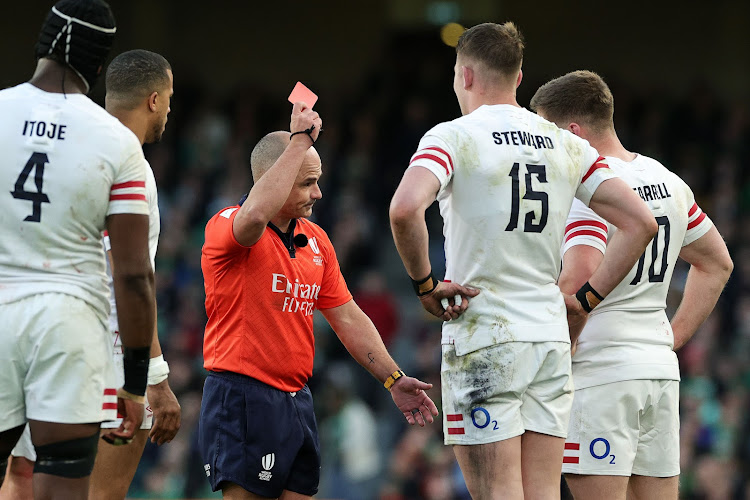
{"x":41,"y":128}
{"x":296,"y":291}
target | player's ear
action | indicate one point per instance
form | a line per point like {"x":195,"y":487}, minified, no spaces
{"x":152,"y":98}
{"x":520,"y":77}
{"x":575,"y":128}
{"x":468,"y":75}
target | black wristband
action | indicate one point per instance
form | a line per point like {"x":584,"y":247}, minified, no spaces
{"x":425,"y":286}
{"x":306,"y":131}
{"x":588,"y":297}
{"x":135,"y":361}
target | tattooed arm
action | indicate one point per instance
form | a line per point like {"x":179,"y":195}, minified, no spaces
{"x":360,"y":337}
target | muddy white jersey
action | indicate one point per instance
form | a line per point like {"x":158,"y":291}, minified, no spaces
{"x":628,"y":335}
{"x":66,"y":165}
{"x":154,"y":228}
{"x":507,"y":180}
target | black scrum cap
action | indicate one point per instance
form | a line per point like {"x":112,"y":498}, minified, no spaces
{"x":78,"y":33}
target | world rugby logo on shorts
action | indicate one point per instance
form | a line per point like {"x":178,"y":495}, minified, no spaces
{"x":267,"y":462}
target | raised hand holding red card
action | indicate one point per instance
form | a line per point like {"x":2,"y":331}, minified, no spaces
{"x":304,"y":119}
{"x":300,"y":93}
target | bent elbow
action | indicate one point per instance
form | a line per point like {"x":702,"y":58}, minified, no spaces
{"x":727,"y":266}
{"x":400,"y":212}
{"x":648,"y":228}
{"x":136,"y":279}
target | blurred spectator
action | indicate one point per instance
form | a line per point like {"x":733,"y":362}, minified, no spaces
{"x":379,"y":303}
{"x":349,"y":430}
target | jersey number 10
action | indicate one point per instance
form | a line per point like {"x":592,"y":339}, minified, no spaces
{"x":36,"y":163}
{"x":540,"y":196}
{"x":653,"y":276}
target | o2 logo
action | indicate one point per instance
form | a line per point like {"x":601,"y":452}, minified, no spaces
{"x":480,"y":417}
{"x":593,"y":448}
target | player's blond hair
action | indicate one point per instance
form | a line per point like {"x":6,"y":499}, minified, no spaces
{"x":582,"y":97}
{"x":498,"y":46}
{"x":267,"y":151}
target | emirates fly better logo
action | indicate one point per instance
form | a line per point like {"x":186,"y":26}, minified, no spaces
{"x":299,"y":297}
{"x":267,"y":463}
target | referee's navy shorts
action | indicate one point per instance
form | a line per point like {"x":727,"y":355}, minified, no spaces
{"x":258,"y":437}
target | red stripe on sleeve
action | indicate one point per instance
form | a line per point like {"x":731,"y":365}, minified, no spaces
{"x":454,"y":418}
{"x":594,"y":223}
{"x":455,"y":431}
{"x":596,"y":166}
{"x":697,"y":221}
{"x":433,"y":158}
{"x":110,"y":392}
{"x":450,"y":160}
{"x":129,"y":184}
{"x":572,"y":446}
{"x":570,"y":460}
{"x":692,"y":209}
{"x":132,"y":196}
{"x":586,"y":232}
{"x":109,"y":406}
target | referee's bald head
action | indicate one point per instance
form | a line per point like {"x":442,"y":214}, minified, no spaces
{"x":267,"y":151}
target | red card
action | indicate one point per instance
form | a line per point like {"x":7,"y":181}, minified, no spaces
{"x":300,"y":93}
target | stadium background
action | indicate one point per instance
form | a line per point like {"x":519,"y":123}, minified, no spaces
{"x":679,"y":71}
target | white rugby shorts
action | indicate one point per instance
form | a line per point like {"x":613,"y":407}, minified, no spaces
{"x":24,"y":447}
{"x":56,"y":362}
{"x":117,"y":358}
{"x":501,"y":391}
{"x":625,"y":428}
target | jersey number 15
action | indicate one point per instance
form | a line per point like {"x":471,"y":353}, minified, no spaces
{"x":529,"y":225}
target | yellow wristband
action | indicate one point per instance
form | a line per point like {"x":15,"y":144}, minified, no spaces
{"x":392,"y":379}
{"x":425,"y":286}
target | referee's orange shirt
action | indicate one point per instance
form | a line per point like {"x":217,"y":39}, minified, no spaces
{"x":260,"y":301}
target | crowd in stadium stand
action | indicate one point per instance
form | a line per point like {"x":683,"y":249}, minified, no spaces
{"x":370,"y":131}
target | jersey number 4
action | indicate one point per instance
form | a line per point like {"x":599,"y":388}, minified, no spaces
{"x":529,"y":225}
{"x":36,"y":163}
{"x":653,"y":276}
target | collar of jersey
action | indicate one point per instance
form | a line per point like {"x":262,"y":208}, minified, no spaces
{"x":286,"y":238}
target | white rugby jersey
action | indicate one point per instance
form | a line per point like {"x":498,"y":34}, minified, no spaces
{"x":507,"y":180}
{"x":66,"y":165}
{"x":628,"y":335}
{"x":154,"y":228}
